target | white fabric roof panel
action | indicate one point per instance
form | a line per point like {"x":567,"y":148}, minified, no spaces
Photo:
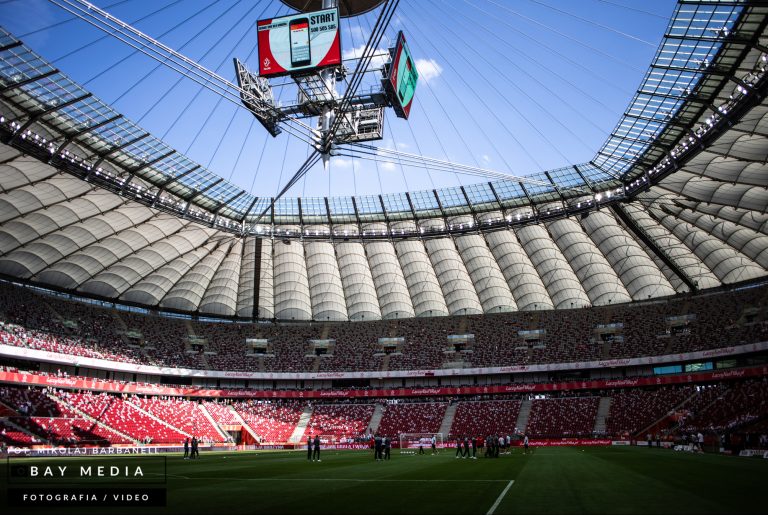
{"x":325,"y":289}
{"x":556,"y":274}
{"x":726,"y":263}
{"x":187,"y":293}
{"x":391,"y":288}
{"x":126,"y":238}
{"x":24,"y":171}
{"x":689,"y":263}
{"x":638,"y":272}
{"x":291,"y":287}
{"x":356,"y":278}
{"x":522,"y":278}
{"x":599,"y":280}
{"x":751,"y":219}
{"x":458,"y":290}
{"x":116,"y":279}
{"x":423,"y":286}
{"x":492,"y":289}
{"x":752,"y":147}
{"x":221,"y":296}
{"x":709,"y":219}
{"x":742,"y":196}
{"x":750,"y":243}
{"x":153,"y":288}
{"x":245,"y":284}
{"x":266,"y":307}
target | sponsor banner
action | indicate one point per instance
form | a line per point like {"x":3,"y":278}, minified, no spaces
{"x":752,"y":452}
{"x":564,"y":442}
{"x":402,"y":78}
{"x":621,"y":442}
{"x":299,"y":42}
{"x":103,"y":364}
{"x":182,"y":391}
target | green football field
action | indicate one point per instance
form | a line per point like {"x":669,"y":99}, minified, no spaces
{"x":551,"y":480}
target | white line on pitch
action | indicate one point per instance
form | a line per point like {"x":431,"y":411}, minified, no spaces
{"x":500,"y":497}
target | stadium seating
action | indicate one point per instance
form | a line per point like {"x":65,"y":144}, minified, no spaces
{"x":12,"y":437}
{"x":480,"y":418}
{"x":635,"y":410}
{"x":116,"y":413}
{"x":271,"y":421}
{"x":558,"y":417}
{"x":46,"y":323}
{"x":221,"y":413}
{"x":411,"y":417}
{"x":729,"y":406}
{"x":339,"y":420}
{"x":182,"y":414}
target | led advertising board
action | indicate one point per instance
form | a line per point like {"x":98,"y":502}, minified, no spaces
{"x":298,"y":43}
{"x":401,"y":80}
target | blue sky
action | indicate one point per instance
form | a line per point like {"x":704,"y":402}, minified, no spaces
{"x":515,"y":86}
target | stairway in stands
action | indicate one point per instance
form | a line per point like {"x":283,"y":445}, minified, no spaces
{"x":298,"y":433}
{"x":522,"y":417}
{"x":244,"y":424}
{"x":602,"y":413}
{"x":450,"y":413}
{"x":378,"y":412}
{"x":213,"y":422}
{"x":152,"y":416}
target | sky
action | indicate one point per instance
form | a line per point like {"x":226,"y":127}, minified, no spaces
{"x":513,"y":86}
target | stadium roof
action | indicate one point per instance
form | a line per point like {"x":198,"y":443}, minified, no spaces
{"x":675,"y":200}
{"x":702,"y":48}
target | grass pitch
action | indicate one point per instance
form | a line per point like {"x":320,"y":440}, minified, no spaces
{"x":551,"y":480}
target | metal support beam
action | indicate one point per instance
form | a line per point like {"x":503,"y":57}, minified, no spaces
{"x":72,"y":137}
{"x":117,"y":149}
{"x":30,"y":80}
{"x":629,"y":222}
{"x":10,"y":45}
{"x":200,"y":192}
{"x":584,"y":178}
{"x":132,"y":173}
{"x":36,"y":116}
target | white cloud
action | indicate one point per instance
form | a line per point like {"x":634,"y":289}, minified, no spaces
{"x":340,"y":162}
{"x":428,"y":69}
{"x":388,"y":166}
{"x":486,"y":158}
{"x":403,"y":145}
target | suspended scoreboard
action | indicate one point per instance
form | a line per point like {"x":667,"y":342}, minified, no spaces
{"x":299,"y":43}
{"x":401,"y":78}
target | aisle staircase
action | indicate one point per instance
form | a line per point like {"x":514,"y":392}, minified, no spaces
{"x":450,"y":413}
{"x":378,"y":413}
{"x":244,"y":424}
{"x":150,"y":415}
{"x":602,"y":413}
{"x":213,"y":422}
{"x":298,"y":432}
{"x":522,"y":417}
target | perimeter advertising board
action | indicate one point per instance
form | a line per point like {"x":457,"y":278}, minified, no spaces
{"x":400,"y":83}
{"x":299,"y":43}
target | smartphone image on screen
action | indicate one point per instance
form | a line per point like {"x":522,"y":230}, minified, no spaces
{"x":299,"y":34}
{"x":406,"y":81}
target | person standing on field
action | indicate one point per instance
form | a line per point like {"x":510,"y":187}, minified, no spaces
{"x":316,"y":454}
